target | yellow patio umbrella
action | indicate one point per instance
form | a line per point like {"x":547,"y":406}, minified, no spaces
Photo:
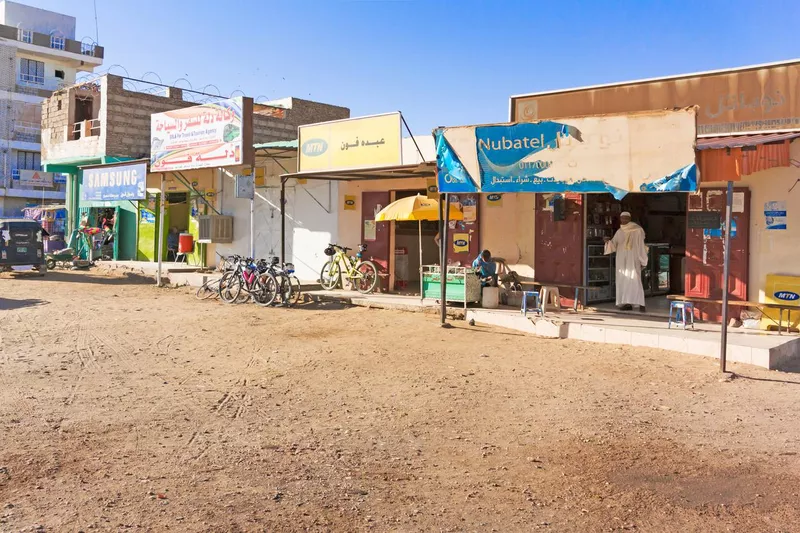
{"x":417,"y":208}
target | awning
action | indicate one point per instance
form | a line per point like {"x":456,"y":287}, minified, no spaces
{"x":738,"y":141}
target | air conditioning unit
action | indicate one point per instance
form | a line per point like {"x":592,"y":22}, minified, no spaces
{"x":215,"y":229}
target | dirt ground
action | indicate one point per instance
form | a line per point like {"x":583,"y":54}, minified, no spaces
{"x":129,"y":408}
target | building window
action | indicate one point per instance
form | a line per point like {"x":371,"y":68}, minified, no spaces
{"x":56,"y":42}
{"x":31,"y":71}
{"x":60,"y":74}
{"x":26,"y":36}
{"x":29,"y":160}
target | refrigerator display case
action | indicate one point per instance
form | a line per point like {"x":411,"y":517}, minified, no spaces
{"x":600,"y":274}
{"x":656,"y":275}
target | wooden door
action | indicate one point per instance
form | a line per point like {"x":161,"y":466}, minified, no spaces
{"x":376,"y":235}
{"x":559,"y":246}
{"x":705,"y":251}
{"x":464,"y":236}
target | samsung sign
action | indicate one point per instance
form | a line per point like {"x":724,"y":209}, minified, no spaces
{"x":123,"y":182}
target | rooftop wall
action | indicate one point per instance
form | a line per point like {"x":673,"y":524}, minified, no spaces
{"x":39,"y":20}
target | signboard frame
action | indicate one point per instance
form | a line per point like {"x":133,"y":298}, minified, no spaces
{"x":365,"y":133}
{"x":98,"y":182}
{"x":36,"y":178}
{"x":203,"y":136}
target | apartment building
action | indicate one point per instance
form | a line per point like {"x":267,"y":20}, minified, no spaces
{"x":39,"y":54}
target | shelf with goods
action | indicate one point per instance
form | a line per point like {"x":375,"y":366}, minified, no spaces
{"x":599,"y":274}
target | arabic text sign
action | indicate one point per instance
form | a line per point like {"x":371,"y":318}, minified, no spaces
{"x":643,"y":152}
{"x":217,"y":134}
{"x":352,"y":143}
{"x":123,"y":182}
{"x":761,"y":99}
{"x":36,"y":178}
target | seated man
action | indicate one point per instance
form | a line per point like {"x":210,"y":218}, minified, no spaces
{"x":486,"y":269}
{"x":173,"y":238}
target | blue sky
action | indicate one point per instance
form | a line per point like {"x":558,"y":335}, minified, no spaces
{"x":440,"y":63}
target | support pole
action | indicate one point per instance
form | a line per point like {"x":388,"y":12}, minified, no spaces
{"x":283,"y":220}
{"x":421,"y":296}
{"x":444,"y":242}
{"x":252,"y":228}
{"x":161,"y":234}
{"x":723,"y":348}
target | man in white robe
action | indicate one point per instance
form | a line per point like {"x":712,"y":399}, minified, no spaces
{"x":628,"y":243}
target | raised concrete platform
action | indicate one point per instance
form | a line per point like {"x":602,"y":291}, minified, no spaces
{"x":754,"y":347}
{"x":383,"y":301}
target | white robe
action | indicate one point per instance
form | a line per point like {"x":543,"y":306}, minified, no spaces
{"x":628,"y":243}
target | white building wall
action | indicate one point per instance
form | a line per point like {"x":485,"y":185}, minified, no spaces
{"x":38,"y":20}
{"x":311,"y":221}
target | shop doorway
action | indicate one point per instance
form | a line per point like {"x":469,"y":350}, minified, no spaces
{"x":663,"y":218}
{"x":406,"y":259}
{"x":177,"y":214}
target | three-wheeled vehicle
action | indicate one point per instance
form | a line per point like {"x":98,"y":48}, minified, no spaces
{"x":22,"y":244}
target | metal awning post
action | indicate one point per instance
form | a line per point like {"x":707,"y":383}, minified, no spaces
{"x":283,"y":219}
{"x":161,"y":234}
{"x":444,"y":224}
{"x":421,"y":295}
{"x":723,"y":349}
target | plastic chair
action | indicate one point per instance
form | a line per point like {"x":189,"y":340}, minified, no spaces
{"x":535,"y":295}
{"x":678,"y":310}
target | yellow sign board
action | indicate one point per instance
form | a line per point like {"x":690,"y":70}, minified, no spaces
{"x":432,"y":189}
{"x":355,"y":143}
{"x":460,"y":243}
{"x":349,"y":202}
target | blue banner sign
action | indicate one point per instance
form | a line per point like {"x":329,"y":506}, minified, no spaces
{"x":123,"y":182}
{"x":618,"y":154}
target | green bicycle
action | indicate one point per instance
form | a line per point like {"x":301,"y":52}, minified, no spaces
{"x":362,"y":275}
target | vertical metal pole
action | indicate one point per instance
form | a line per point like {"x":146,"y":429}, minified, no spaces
{"x":283,"y":220}
{"x":252,"y":228}
{"x":723,"y":349}
{"x":444,"y":240}
{"x":161,"y":216}
{"x":421,"y":296}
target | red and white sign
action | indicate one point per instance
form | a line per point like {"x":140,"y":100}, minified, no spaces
{"x":37,"y":178}
{"x":217,"y":134}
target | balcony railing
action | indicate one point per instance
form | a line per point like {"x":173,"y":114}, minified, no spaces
{"x":50,"y":41}
{"x":86,"y":128}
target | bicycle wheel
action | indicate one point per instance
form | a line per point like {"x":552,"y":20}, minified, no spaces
{"x":284,"y":287}
{"x":208,"y":289}
{"x":230,"y":287}
{"x":330,"y":276}
{"x":367,"y":277}
{"x":266,"y":289}
{"x":296,"y":293}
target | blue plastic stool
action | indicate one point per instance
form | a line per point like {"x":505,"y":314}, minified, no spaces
{"x":678,"y":310}
{"x":524,"y":309}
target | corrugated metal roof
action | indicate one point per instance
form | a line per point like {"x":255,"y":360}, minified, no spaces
{"x":287,"y":145}
{"x":737,"y":141}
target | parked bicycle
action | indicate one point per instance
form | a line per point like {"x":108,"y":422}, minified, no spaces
{"x":288,"y":283}
{"x":210,"y":289}
{"x":251,"y":279}
{"x":362,"y":275}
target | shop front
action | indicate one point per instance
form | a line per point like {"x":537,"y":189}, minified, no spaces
{"x":374,"y":166}
{"x":747,"y":123}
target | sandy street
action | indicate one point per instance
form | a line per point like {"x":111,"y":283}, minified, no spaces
{"x":128,"y":408}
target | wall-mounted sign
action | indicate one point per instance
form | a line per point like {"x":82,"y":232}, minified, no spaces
{"x":217,"y":134}
{"x":36,"y":178}
{"x":431,"y":189}
{"x":349,"y":202}
{"x":460,"y":243}
{"x":370,"y":230}
{"x":245,"y":187}
{"x":494,"y":200}
{"x":122,"y":182}
{"x":642,"y":152}
{"x":148,"y":217}
{"x":352,"y":143}
{"x":704,"y":220}
{"x":775,"y":215}
{"x":787,"y":296}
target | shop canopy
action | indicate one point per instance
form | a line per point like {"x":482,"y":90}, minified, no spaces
{"x":633,"y":152}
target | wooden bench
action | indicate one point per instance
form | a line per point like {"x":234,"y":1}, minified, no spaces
{"x":544,"y":284}
{"x":743,"y":303}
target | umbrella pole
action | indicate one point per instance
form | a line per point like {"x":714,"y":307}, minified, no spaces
{"x":421,"y":297}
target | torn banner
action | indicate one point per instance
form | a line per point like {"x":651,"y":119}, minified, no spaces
{"x":618,"y":154}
